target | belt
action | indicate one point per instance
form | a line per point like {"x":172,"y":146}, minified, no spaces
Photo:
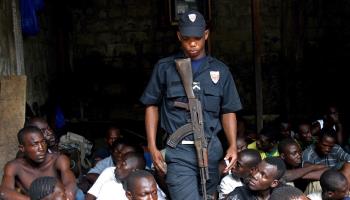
{"x":187,"y":142}
{"x":191,"y":141}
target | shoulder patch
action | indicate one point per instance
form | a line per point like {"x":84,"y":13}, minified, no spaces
{"x":215,"y":76}
{"x":166,"y":60}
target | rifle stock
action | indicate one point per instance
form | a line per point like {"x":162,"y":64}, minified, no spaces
{"x":184,"y":69}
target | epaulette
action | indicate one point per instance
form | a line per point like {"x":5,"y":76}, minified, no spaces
{"x":166,"y":59}
{"x":171,"y":58}
{"x":216,"y":62}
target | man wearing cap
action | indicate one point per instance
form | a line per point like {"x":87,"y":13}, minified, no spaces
{"x":215,"y":88}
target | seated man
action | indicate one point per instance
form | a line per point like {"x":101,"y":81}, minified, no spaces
{"x":261,"y":182}
{"x":49,"y":135}
{"x":120,"y":148}
{"x":334,"y":186}
{"x":109,"y":183}
{"x":304,"y":136}
{"x":325,"y":151}
{"x":285,"y":127}
{"x":247,"y":160}
{"x":299,"y":176}
{"x":331,"y":119}
{"x":112,"y":134}
{"x":241,"y":145}
{"x":287,"y":192}
{"x":47,"y":188}
{"x":141,"y":185}
{"x":36,"y":162}
{"x":266,"y":142}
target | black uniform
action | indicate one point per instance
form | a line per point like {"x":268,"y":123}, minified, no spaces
{"x":218,"y":94}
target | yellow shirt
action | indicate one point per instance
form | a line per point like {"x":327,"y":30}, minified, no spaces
{"x":273,"y":153}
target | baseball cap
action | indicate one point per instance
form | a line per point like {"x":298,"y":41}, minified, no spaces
{"x":192,"y":24}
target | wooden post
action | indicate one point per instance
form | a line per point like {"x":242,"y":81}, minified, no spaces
{"x":12,"y":115}
{"x":256,"y":29}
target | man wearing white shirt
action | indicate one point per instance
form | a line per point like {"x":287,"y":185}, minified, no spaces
{"x":109,"y":185}
{"x":247,"y":160}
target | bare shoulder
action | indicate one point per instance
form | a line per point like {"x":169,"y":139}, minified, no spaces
{"x":61,"y":156}
{"x":62,"y":160}
{"x":13,"y":166}
{"x":57,"y":156}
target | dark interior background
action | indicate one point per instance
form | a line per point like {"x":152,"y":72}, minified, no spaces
{"x":93,"y":58}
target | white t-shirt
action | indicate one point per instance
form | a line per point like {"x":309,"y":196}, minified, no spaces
{"x":112,"y":190}
{"x":228,"y":184}
{"x":106,"y":176}
{"x":315,"y":196}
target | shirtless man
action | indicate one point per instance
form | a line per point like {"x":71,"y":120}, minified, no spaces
{"x":36,"y":162}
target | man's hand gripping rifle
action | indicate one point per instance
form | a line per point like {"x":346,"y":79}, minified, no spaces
{"x":196,"y":127}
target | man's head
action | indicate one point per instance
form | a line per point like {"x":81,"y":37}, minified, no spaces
{"x":284,"y":125}
{"x":334,"y":185}
{"x":290,"y":152}
{"x":45,"y":129}
{"x":326,"y":141}
{"x":131,"y":161}
{"x":32,"y":144}
{"x":192,"y":34}
{"x":47,"y":188}
{"x":267,"y":138}
{"x":141,"y":185}
{"x":267,"y":174}
{"x":121,"y":147}
{"x":304,"y":132}
{"x":285,"y":129}
{"x":246,"y":163}
{"x":287,"y":192}
{"x":241,"y":144}
{"x":112,"y":134}
{"x":332,"y":114}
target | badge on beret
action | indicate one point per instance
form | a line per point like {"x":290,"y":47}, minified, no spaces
{"x":215,"y":76}
{"x":192,"y":17}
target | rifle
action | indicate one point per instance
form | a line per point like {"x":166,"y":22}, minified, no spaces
{"x":196,"y":127}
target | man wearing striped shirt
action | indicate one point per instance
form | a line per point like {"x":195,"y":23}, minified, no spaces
{"x":325,"y":151}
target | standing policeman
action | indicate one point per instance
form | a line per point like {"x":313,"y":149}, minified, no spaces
{"x":215,"y":88}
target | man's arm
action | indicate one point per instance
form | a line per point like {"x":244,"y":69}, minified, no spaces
{"x":7,"y":188}
{"x":67,"y":176}
{"x":338,"y":127}
{"x":229,"y":124}
{"x":89,"y":197}
{"x":315,"y":175}
{"x":92,"y":177}
{"x":341,"y":154}
{"x":346,"y":170}
{"x":151,"y":124}
{"x":8,"y":194}
{"x":303,"y":172}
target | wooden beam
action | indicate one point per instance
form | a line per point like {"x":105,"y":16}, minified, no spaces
{"x":12,"y":115}
{"x":256,"y":29}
